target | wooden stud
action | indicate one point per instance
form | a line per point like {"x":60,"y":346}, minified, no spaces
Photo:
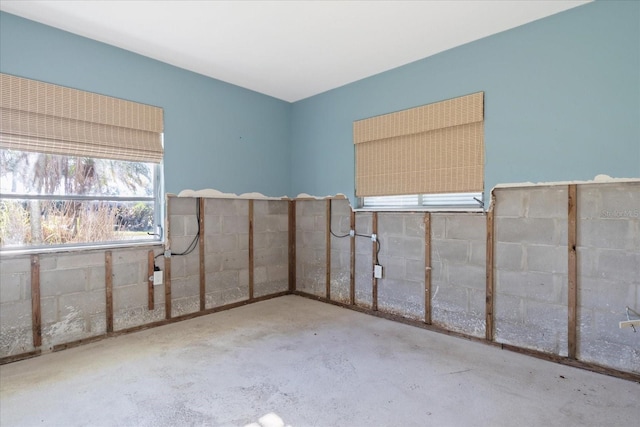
{"x":489,"y":331}
{"x":167,"y":287}
{"x":151,"y":263}
{"x":201,"y":253}
{"x":251,"y":250}
{"x":108,"y":279}
{"x":352,"y":260}
{"x":327,"y":277}
{"x":36,"y":314}
{"x":292,"y":245}
{"x":374,"y":255}
{"x":167,"y":261}
{"x":427,"y":268}
{"x":572,"y":233}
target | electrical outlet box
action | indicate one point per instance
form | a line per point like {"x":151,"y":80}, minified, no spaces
{"x":374,"y":237}
{"x":157,"y":278}
{"x":377,"y":272}
{"x":352,"y":233}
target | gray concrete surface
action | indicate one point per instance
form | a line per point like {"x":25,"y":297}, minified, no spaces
{"x":296,"y":362}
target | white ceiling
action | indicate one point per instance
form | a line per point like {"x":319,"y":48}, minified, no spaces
{"x":286,"y":49}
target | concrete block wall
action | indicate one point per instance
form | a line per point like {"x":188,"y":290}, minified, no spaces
{"x":271,"y":247}
{"x":401,"y":290}
{"x":311,"y":246}
{"x":608,"y":273}
{"x":530,"y":261}
{"x":363,"y":276}
{"x":458,"y":262}
{"x":226,"y":251}
{"x":185,"y":269}
{"x":130,"y":289}
{"x":15,"y":306}
{"x":340,"y":250}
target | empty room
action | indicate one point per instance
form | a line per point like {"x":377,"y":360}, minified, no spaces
{"x":319,"y":213}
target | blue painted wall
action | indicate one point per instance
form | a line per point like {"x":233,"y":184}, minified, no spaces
{"x":562,"y":102}
{"x":216,"y":135}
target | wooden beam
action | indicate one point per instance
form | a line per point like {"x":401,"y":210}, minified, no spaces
{"x":108,"y":282}
{"x":489,"y":331}
{"x":151,"y":263}
{"x":427,"y":268}
{"x":374,"y":255}
{"x":327,"y":255}
{"x":201,"y":254}
{"x":36,"y":314}
{"x":572,"y":233}
{"x":167,"y":287}
{"x":167,"y":261}
{"x":292,"y":245}
{"x":352,"y":260}
{"x":251,"y":250}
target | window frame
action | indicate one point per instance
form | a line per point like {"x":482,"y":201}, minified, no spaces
{"x":156,"y":235}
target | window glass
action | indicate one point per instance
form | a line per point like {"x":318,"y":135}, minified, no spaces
{"x":53,"y":200}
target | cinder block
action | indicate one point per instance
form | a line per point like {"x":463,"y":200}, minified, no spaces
{"x":465,"y":323}
{"x":509,"y":202}
{"x":277,"y":273}
{"x":183,"y":306}
{"x":508,"y":310}
{"x":451,"y":251}
{"x":478,"y":302}
{"x":226,"y":207}
{"x":269,"y":256}
{"x":394,"y":267}
{"x":415,"y":270}
{"x":611,"y":354}
{"x":12,"y":287}
{"x":606,"y":328}
{"x":449,"y":298}
{"x":182,"y":205}
{"x":390,"y":224}
{"x":15,"y":265}
{"x":544,"y":287}
{"x":180,"y":288}
{"x":212,"y":224}
{"x":478,"y":254}
{"x":340,"y":285}
{"x":552,"y":259}
{"x":551,"y":317}
{"x":15,"y":340}
{"x":363,"y":223}
{"x":97,"y":278}
{"x":466,"y":227}
{"x":219,"y":280}
{"x":86,"y":302}
{"x":438,"y":225}
{"x":608,"y":234}
{"x":547,"y":202}
{"x":48,"y":309}
{"x":126,"y":274}
{"x":16,"y":314}
{"x":218,"y":243}
{"x":271,"y":223}
{"x":312,"y":238}
{"x":526,"y":230}
{"x":468,"y":276}
{"x":621,"y":200}
{"x":601,"y":294}
{"x":409,"y":247}
{"x":619,"y":266}
{"x":134,"y":295}
{"x":59,"y":282}
{"x":237,"y":260}
{"x":80,"y":259}
{"x":235,"y":224}
{"x":414,"y":225}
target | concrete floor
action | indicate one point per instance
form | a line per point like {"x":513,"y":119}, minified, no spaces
{"x":296,"y":362}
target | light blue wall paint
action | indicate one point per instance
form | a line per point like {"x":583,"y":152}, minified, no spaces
{"x":216,"y":135}
{"x":562,"y":102}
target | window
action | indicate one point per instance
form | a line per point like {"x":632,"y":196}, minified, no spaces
{"x":428,"y":157}
{"x":77,"y":168}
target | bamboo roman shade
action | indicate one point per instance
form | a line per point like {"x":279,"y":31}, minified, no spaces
{"x":435,"y":148}
{"x":46,"y":118}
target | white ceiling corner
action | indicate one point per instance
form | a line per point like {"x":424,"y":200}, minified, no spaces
{"x":286,"y":49}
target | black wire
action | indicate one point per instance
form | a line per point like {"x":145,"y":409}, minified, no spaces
{"x":194,"y":242}
{"x":379,"y":245}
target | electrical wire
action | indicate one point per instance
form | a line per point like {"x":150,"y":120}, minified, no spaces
{"x":340,"y":236}
{"x":196,"y":238}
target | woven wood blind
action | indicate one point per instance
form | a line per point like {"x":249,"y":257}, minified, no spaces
{"x":435,"y":148}
{"x":42,"y":117}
